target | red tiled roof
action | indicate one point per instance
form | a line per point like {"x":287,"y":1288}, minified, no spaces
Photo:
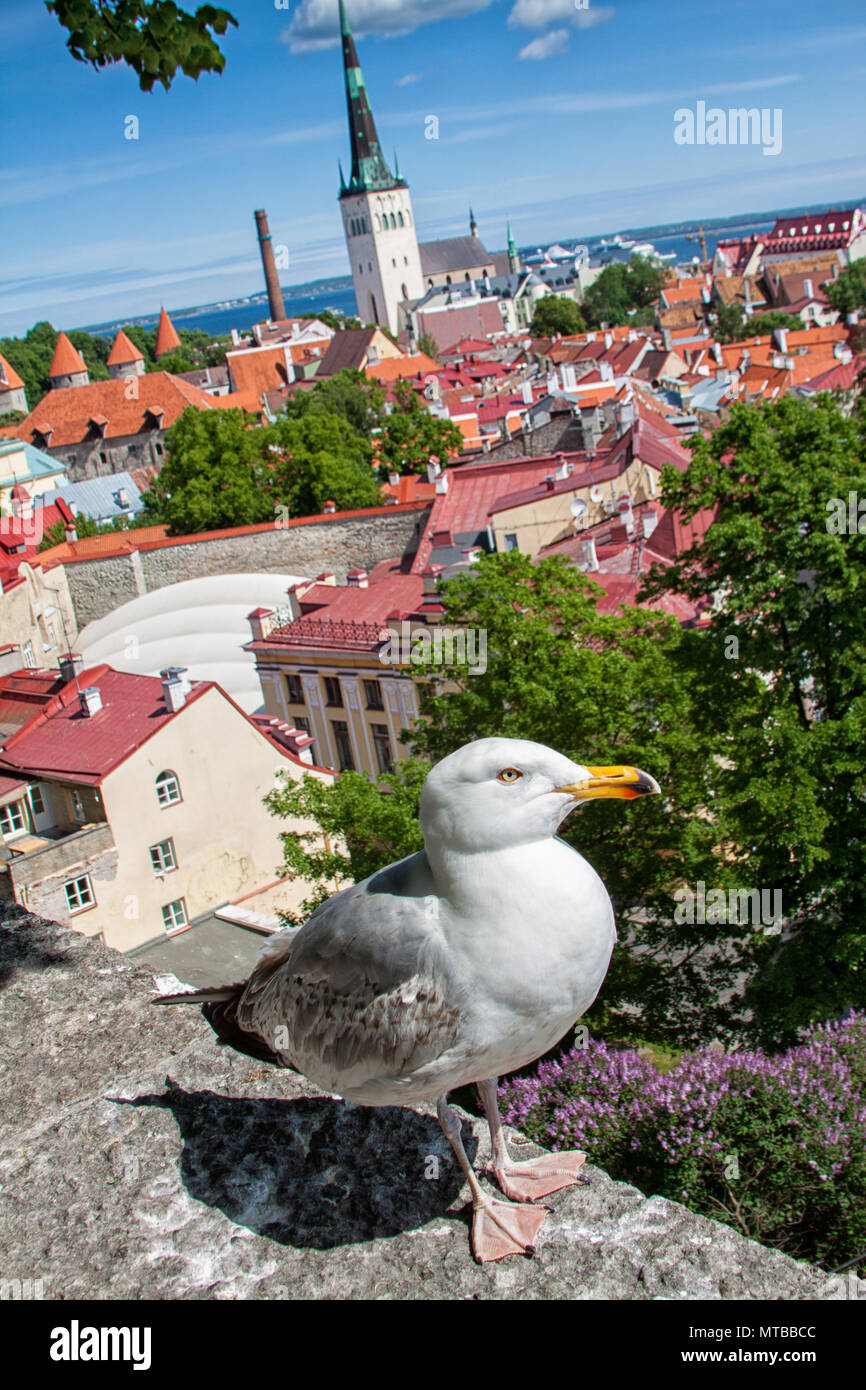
{"x":395,"y":368}
{"x":65,"y":415}
{"x":842,"y":377}
{"x":167,"y":339}
{"x":67,"y":360}
{"x":348,"y":617}
{"x":9,"y":378}
{"x":123,"y":350}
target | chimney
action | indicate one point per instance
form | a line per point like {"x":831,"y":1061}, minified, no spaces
{"x":649,"y":522}
{"x":605,"y":371}
{"x":590,"y":423}
{"x":71,"y":665}
{"x":70,"y":533}
{"x":276,"y":308}
{"x":358,"y":579}
{"x":394,"y":479}
{"x":90,"y":701}
{"x":236,"y":338}
{"x":174,"y":693}
{"x":569,"y":376}
{"x":430,"y":575}
{"x":526,"y":392}
{"x":808,"y":289}
{"x":434,"y":468}
{"x":178,"y":673}
{"x":717,"y":354}
{"x":329,"y":508}
{"x":262,"y":621}
{"x":608,"y":341}
{"x":590,"y":558}
{"x":296,"y":329}
{"x":626,"y":415}
{"x":549,"y":483}
{"x":561,"y":468}
{"x":442,"y":484}
{"x":122,"y":497}
{"x":781,"y":336}
{"x":472,"y":554}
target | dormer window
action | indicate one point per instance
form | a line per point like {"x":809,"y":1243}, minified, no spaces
{"x":98,"y":424}
{"x":155,"y":414}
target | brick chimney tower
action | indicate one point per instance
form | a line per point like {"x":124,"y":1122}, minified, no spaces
{"x":276,"y":309}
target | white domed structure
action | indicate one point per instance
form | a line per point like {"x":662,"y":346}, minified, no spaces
{"x":200,"y":624}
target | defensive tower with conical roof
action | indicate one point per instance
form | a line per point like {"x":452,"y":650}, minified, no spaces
{"x":378,"y":220}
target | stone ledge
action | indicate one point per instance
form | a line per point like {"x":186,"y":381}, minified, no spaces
{"x":140,"y":1160}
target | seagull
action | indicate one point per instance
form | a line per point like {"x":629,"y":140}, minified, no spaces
{"x":458,"y":964}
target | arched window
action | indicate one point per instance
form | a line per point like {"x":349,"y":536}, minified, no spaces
{"x":168,"y":788}
{"x":374,"y":307}
{"x":393,"y":221}
{"x":448,"y":279}
{"x":408,"y":218}
{"x":404,"y":291}
{"x":400,"y":218}
{"x":378,"y":221}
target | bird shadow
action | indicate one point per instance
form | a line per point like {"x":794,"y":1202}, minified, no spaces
{"x":312,"y":1172}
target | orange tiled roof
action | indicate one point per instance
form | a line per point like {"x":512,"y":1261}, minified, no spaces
{"x":9,"y":378}
{"x":123,"y":350}
{"x":258,"y":370}
{"x":66,"y":416}
{"x":67,"y":360}
{"x":167,"y":339}
{"x":393,"y":368}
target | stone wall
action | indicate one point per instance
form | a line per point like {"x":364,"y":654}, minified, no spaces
{"x":140,"y":1160}
{"x":338,"y":543}
{"x":563,"y":433}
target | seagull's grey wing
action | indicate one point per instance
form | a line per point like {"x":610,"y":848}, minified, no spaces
{"x":362,"y":990}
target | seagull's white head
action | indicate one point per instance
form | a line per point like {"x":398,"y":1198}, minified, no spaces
{"x":501,"y":792}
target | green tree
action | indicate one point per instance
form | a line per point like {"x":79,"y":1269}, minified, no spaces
{"x":410,"y":434}
{"x":554,"y":315}
{"x":153,"y":37}
{"x":624,"y":293}
{"x":349,"y":394}
{"x":428,"y":344}
{"x":221,"y":472}
{"x":847,"y":294}
{"x":366,"y":826}
{"x":783,"y":685}
{"x":339,"y":322}
{"x":732,"y":326}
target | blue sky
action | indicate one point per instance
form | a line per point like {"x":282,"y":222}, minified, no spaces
{"x":557,"y":117}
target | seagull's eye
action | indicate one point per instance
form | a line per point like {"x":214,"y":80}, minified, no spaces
{"x":510,"y":774}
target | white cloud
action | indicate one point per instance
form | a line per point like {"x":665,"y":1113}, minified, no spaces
{"x":537,"y":14}
{"x":546,"y":46}
{"x":408,"y":79}
{"x":314,"y":24}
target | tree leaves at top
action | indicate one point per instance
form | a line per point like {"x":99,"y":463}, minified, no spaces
{"x":153,"y":37}
{"x":554,"y":314}
{"x":222,"y":473}
{"x":624,"y":293}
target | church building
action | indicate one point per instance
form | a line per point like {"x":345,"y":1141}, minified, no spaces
{"x":389,"y":267}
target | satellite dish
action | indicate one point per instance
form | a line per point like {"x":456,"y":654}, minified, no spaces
{"x":578,"y":508}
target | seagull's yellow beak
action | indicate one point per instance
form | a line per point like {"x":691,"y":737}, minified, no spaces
{"x":627,"y":782}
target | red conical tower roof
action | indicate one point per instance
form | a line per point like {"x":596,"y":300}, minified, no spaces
{"x":123,"y":350}
{"x":166,"y":337}
{"x":67,"y":360}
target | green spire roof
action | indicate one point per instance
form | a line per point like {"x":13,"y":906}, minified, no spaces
{"x":512,"y":249}
{"x":370,"y":172}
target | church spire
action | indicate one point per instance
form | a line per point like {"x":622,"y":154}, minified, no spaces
{"x":369,"y":169}
{"x":473,"y":225}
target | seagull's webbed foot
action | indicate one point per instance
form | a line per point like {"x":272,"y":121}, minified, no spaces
{"x":500,"y":1229}
{"x":535,"y":1177}
{"x":538,"y":1177}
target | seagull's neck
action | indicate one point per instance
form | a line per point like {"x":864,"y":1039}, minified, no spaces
{"x":469,"y":879}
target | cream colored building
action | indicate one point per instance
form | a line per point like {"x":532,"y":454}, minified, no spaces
{"x":37,"y":615}
{"x":144,"y":814}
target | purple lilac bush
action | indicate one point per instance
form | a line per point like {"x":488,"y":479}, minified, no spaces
{"x":772,"y":1144}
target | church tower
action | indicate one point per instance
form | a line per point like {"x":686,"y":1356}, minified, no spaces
{"x":377,"y":210}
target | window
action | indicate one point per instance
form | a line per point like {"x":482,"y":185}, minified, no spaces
{"x":344,"y":745}
{"x":162,"y":857}
{"x":79,"y":894}
{"x":302,"y":724}
{"x":382,"y":744}
{"x":373,"y":694}
{"x":510,"y":540}
{"x":400,"y":218}
{"x":333,"y":691}
{"x":174,"y":915}
{"x":295,"y":688}
{"x":12,"y":818}
{"x":29,"y":658}
{"x":78,"y":811}
{"x":37,"y":801}
{"x":167,"y":789}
